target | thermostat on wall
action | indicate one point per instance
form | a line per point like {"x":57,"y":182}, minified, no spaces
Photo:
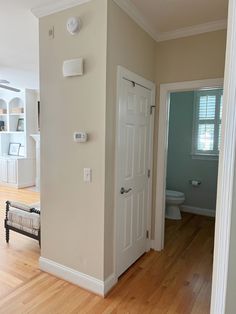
{"x":73,"y":67}
{"x":80,"y":137}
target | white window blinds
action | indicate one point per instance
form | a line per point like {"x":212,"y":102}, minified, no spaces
{"x":207,"y":122}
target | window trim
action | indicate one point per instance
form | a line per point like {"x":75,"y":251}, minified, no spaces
{"x":210,"y":154}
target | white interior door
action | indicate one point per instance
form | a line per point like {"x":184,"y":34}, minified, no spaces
{"x":133,"y":157}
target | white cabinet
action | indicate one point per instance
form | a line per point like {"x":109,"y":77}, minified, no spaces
{"x":8,"y":173}
{"x":3,"y":170}
{"x":17,"y":172}
{"x":11,"y":171}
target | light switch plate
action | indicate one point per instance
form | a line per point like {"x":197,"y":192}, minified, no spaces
{"x":88,"y":175}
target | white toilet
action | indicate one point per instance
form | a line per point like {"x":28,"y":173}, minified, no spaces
{"x":173,"y":200}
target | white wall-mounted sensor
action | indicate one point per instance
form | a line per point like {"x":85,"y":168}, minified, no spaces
{"x":73,"y":25}
{"x":73,"y":67}
{"x":80,"y":137}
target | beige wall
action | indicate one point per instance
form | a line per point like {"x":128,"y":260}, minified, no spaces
{"x":73,"y":211}
{"x":131,"y":47}
{"x":191,"y":58}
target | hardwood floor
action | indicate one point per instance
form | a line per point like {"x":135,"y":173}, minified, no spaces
{"x":177,"y":280}
{"x":21,"y":195}
{"x":18,"y":259}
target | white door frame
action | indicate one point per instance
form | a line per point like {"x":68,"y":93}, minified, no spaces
{"x":226,"y":172}
{"x":163,"y":126}
{"x":123,"y":73}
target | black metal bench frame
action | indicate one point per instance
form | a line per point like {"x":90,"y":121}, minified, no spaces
{"x":8,"y":228}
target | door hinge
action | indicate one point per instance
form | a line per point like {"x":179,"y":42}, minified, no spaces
{"x":147,"y":234}
{"x":151,"y":109}
{"x":149,"y":173}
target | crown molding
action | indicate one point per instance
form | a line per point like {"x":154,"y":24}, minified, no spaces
{"x":136,"y":15}
{"x":193,"y":30}
{"x":54,"y":7}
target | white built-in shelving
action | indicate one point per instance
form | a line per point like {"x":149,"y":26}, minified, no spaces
{"x":18,"y":120}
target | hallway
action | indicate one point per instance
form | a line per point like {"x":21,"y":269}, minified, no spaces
{"x":177,"y":280}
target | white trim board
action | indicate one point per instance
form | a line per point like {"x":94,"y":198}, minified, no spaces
{"x":128,"y":7}
{"x":198,"y":211}
{"x":226,"y":172}
{"x":193,"y":30}
{"x":137,"y":16}
{"x":50,"y":8}
{"x":82,"y":280}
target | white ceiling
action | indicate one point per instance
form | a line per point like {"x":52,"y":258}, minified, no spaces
{"x":19,"y":43}
{"x":19,"y":28}
{"x":170,"y":15}
{"x":170,"y":19}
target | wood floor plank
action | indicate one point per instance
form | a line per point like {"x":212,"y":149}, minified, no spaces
{"x":175,"y":281}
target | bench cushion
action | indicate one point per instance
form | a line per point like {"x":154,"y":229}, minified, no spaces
{"x":20,"y":227}
{"x":22,"y":219}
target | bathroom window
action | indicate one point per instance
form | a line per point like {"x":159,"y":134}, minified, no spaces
{"x":207,"y":123}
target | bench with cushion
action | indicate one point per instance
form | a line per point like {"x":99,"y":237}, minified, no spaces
{"x":24,"y":219}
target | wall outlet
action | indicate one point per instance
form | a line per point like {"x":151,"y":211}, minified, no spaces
{"x":80,"y":137}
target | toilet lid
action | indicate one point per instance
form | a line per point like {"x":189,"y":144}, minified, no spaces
{"x":176,"y":194}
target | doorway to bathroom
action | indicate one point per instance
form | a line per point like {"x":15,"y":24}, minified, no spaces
{"x":193,"y":149}
{"x":194,"y":136}
{"x":198,"y":228}
{"x":163,"y":131}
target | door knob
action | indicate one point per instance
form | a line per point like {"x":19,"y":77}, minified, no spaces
{"x":123,"y":190}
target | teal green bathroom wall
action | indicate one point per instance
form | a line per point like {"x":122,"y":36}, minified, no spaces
{"x":181,"y":167}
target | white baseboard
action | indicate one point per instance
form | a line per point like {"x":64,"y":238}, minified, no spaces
{"x":110,"y":282}
{"x":26,"y":185}
{"x":80,"y":279}
{"x":198,"y":210}
{"x":18,"y":186}
{"x":153,"y":247}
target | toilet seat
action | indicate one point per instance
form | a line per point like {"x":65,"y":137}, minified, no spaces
{"x":174,"y":194}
